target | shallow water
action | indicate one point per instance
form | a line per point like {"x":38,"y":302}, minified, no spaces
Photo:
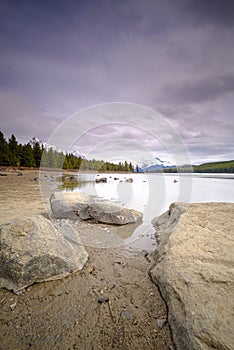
{"x":153,"y":193}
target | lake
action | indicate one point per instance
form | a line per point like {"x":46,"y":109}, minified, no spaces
{"x":152,"y":194}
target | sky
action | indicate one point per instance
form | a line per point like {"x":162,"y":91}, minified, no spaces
{"x":164,"y":70}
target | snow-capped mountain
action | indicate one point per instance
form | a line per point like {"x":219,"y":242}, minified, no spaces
{"x":154,"y":164}
{"x":78,"y":154}
{"x":47,"y":146}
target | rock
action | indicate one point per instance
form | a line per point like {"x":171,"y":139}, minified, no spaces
{"x":12,"y":306}
{"x":3,"y":174}
{"x":70,"y":205}
{"x":116,"y":178}
{"x":161,"y":322}
{"x":35,"y":250}
{"x":108,"y":213}
{"x":103,"y":299}
{"x":129,"y":180}
{"x":19,"y":174}
{"x":175,"y":181}
{"x":75,"y":205}
{"x":194,"y":272}
{"x":101,"y":180}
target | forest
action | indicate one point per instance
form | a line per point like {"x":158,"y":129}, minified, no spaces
{"x":34,"y":154}
{"x":212,"y":167}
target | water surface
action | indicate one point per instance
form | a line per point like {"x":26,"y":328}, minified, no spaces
{"x":152,"y":194}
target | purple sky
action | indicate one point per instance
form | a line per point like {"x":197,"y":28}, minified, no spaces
{"x":174,"y":56}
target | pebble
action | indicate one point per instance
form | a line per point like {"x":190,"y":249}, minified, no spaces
{"x":161,"y":322}
{"x":103,"y":299}
{"x":12,"y":306}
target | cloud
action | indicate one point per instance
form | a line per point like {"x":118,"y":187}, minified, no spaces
{"x":211,"y":11}
{"x":24,"y":118}
{"x":60,"y":57}
{"x":196,"y":91}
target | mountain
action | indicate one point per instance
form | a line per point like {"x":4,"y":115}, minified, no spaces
{"x":155,"y":164}
{"x":42,"y":144}
{"x":47,"y":146}
{"x":79,"y":155}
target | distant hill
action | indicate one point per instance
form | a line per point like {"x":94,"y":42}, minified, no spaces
{"x":211,"y":167}
{"x":215,"y":167}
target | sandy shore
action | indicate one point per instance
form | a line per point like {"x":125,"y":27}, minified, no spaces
{"x":66,"y":314}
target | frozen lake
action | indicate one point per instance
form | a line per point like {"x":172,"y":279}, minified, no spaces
{"x":153,"y":193}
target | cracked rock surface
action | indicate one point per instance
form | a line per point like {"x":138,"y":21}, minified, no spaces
{"x":76,"y":205}
{"x":33,"y":249}
{"x":194,"y":272}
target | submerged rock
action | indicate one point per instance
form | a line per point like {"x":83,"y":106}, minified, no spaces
{"x":74,"y":205}
{"x":194,"y":272}
{"x":35,"y":250}
{"x":101,"y":180}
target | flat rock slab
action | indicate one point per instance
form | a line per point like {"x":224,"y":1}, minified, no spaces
{"x":74,"y":205}
{"x":194,"y":272}
{"x":33,"y":250}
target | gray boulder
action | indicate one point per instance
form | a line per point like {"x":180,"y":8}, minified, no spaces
{"x":70,"y":205}
{"x":35,"y":250}
{"x":101,"y":180}
{"x":73,"y":205}
{"x":194,"y":272}
{"x":107,"y":213}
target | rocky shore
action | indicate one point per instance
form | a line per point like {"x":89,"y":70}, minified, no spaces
{"x":194,"y":272}
{"x":110,"y":304}
{"x":106,"y":299}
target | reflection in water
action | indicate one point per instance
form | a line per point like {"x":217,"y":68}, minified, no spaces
{"x":71,"y":183}
{"x":151,"y":194}
{"x":128,"y":230}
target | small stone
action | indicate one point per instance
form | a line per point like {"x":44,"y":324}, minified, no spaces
{"x":161,"y":322}
{"x":103,"y":299}
{"x":12,"y":306}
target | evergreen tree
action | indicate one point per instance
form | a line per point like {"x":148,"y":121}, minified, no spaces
{"x":4,"y":151}
{"x":14,"y":150}
{"x":37,"y":153}
{"x":44,"y":159}
{"x":131,"y":167}
{"x":126,"y":166}
{"x":27,"y":158}
{"x":52,"y":161}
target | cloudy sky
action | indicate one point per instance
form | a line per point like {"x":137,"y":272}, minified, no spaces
{"x":173,"y":56}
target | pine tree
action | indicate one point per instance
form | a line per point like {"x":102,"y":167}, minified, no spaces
{"x":4,"y":151}
{"x":27,"y":159}
{"x":13,"y":150}
{"x":52,"y":161}
{"x":37,"y":153}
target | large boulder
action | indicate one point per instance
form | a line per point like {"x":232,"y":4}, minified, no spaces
{"x":101,"y":180}
{"x":75,"y":205}
{"x":70,"y":205}
{"x":194,"y":272}
{"x":107,"y":213}
{"x":34,"y":249}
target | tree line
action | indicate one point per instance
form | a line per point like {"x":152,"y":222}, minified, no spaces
{"x":214,"y":167}
{"x":34,"y":154}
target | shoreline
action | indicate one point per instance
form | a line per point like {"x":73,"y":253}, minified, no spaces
{"x":62,"y":314}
